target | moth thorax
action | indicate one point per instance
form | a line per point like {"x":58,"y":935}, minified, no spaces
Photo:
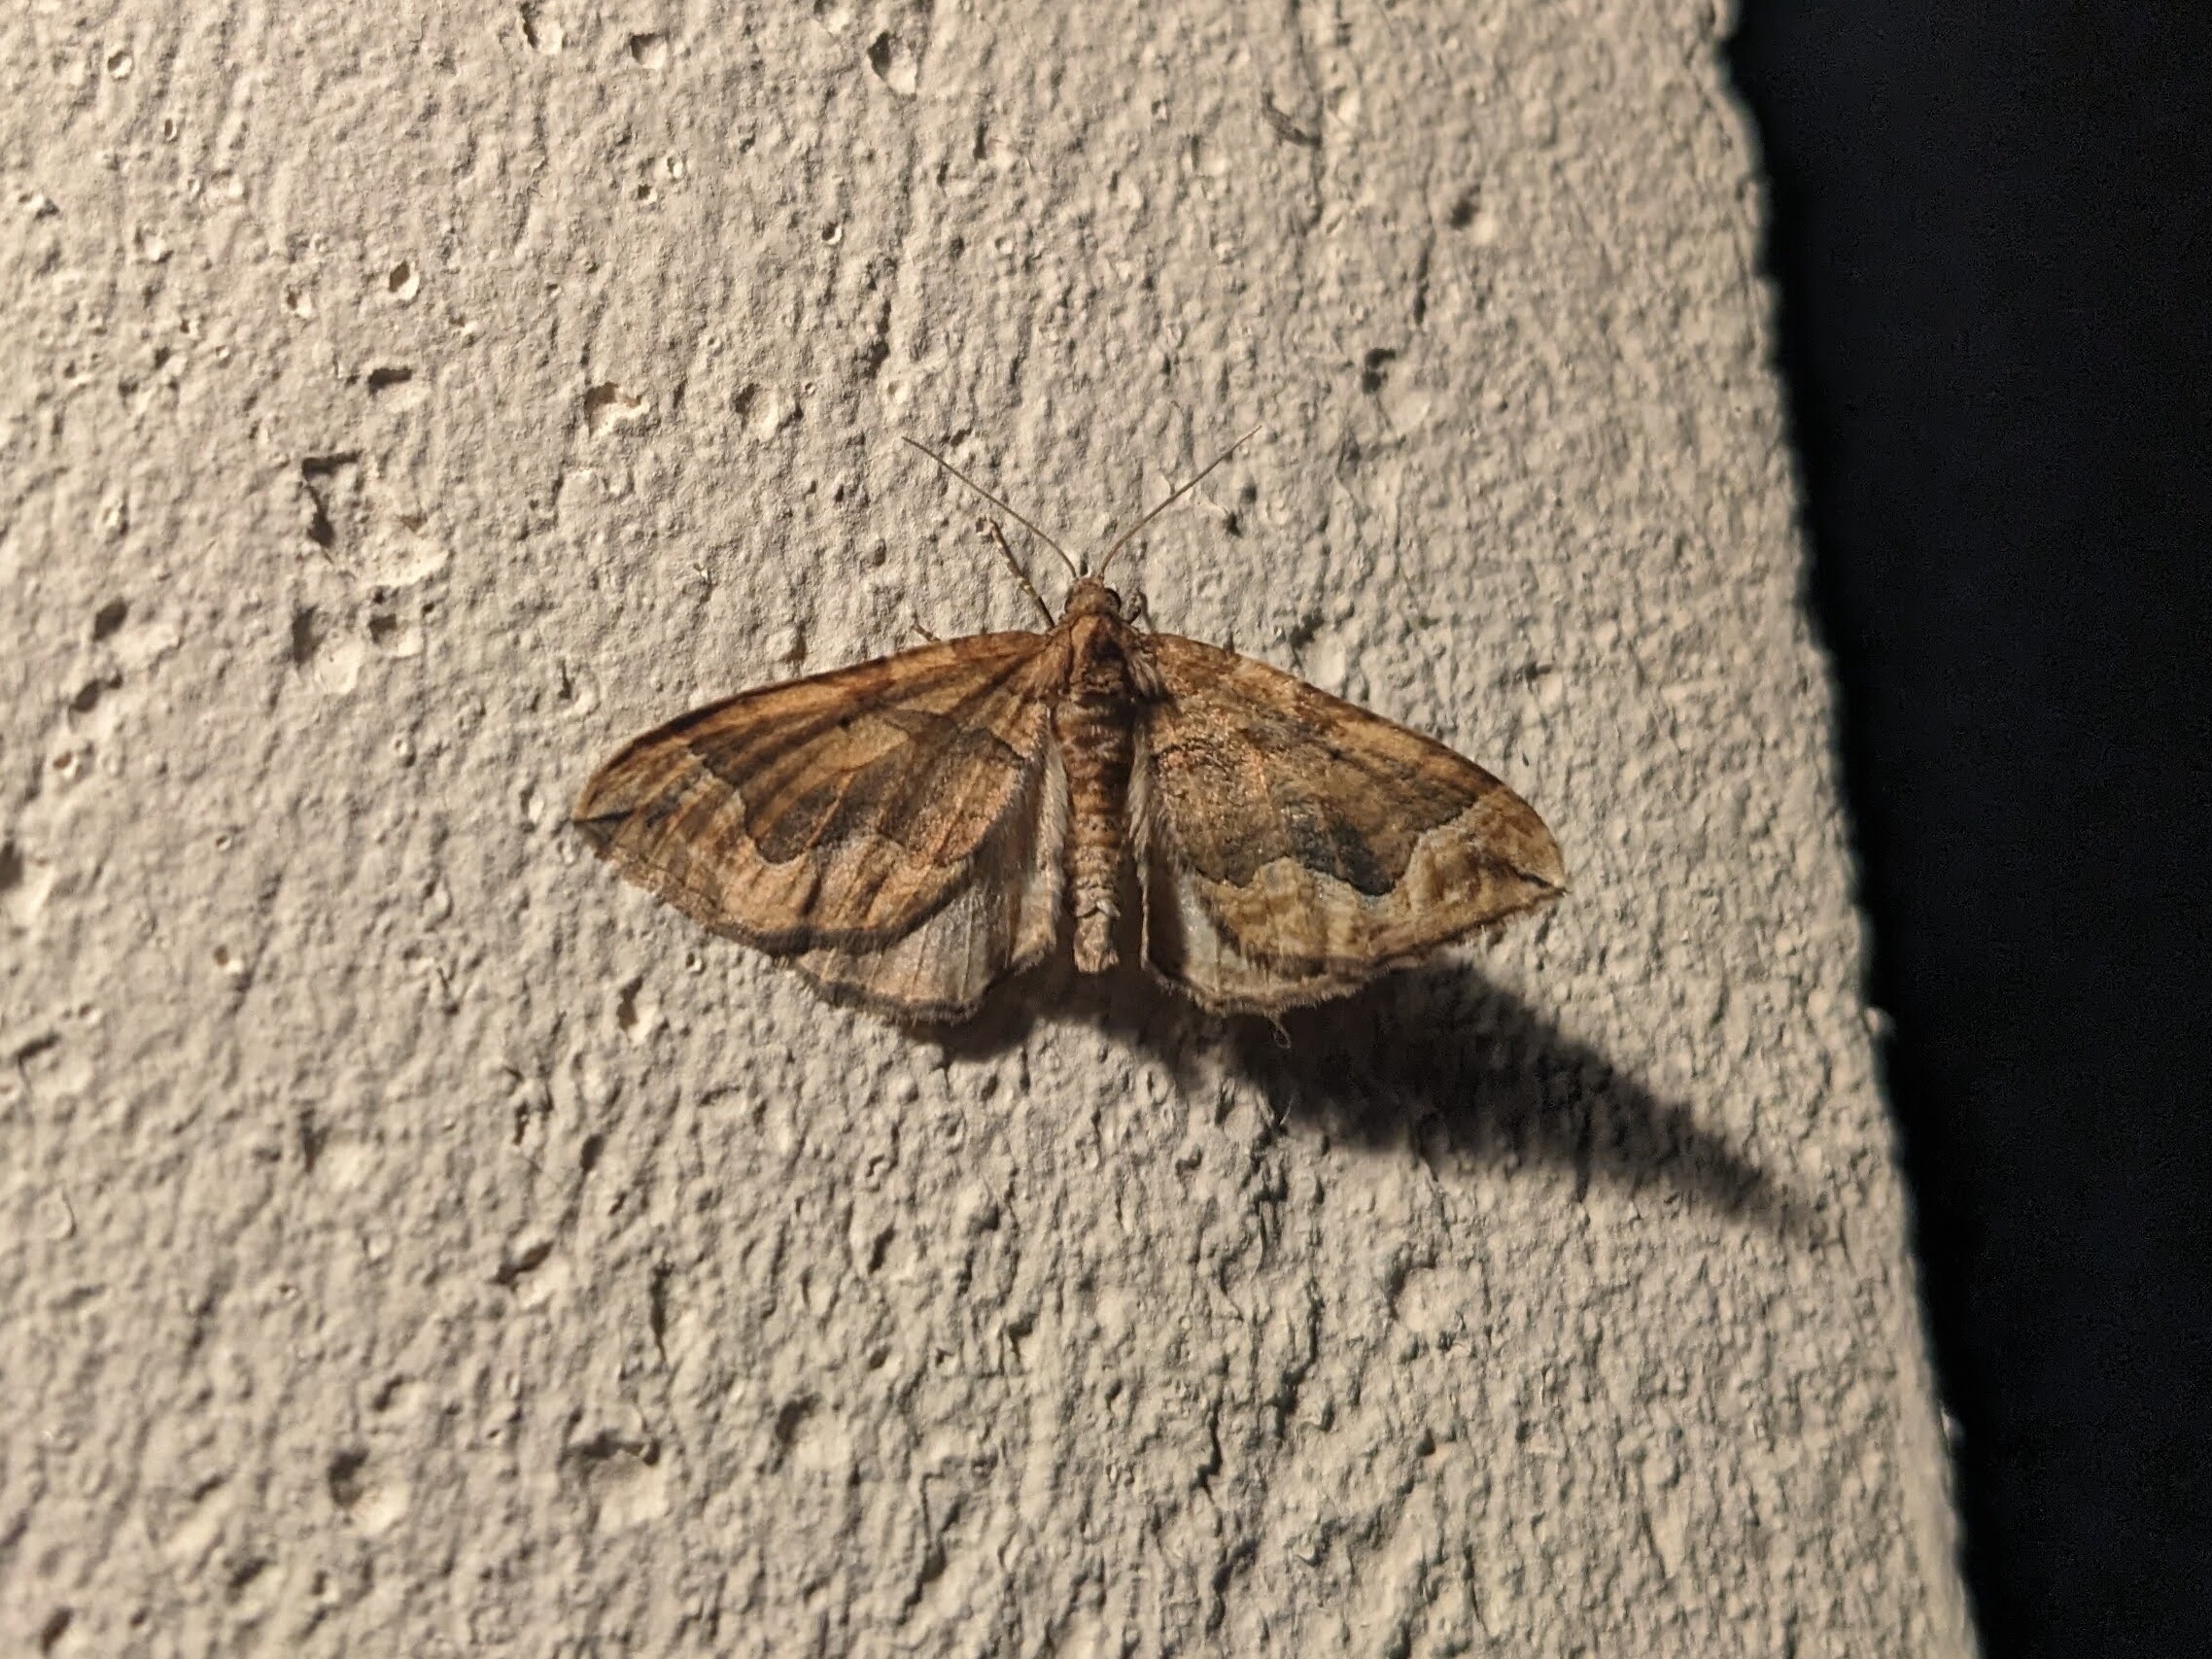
{"x":1098,"y":667}
{"x":1097,"y":747}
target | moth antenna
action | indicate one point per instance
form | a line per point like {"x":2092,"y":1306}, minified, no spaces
{"x":996,"y":502}
{"x":997,"y":537}
{"x":1180,"y":491}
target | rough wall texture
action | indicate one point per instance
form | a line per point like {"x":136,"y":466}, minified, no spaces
{"x":414,"y":1241}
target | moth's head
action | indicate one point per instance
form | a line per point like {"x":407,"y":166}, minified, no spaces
{"x":1090,"y":596}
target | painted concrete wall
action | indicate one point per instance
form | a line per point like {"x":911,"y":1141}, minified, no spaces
{"x":413,"y":1240}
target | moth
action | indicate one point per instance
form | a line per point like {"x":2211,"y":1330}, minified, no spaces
{"x":908,"y":831}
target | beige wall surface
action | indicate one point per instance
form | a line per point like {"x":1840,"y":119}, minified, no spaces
{"x":415,"y":1242}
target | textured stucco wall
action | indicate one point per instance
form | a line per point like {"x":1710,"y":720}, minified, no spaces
{"x":414,"y":1241}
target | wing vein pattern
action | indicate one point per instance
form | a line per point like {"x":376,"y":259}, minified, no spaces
{"x":894,"y":828}
{"x":1297,"y":845}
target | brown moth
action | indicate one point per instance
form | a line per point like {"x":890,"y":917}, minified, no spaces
{"x":910,"y":830}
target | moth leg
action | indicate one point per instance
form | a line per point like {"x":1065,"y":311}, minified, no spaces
{"x":997,"y":539}
{"x":913,"y":620}
{"x":1139,"y":612}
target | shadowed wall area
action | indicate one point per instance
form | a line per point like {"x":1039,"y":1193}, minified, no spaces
{"x":1991,"y":243}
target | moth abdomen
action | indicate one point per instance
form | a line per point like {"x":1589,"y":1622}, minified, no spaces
{"x":1098,"y":748}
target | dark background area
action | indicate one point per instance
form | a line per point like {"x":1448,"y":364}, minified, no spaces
{"x":1991,"y":228}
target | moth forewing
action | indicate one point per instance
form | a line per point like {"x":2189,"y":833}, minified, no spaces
{"x":1306,"y":844}
{"x":838,"y":811}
